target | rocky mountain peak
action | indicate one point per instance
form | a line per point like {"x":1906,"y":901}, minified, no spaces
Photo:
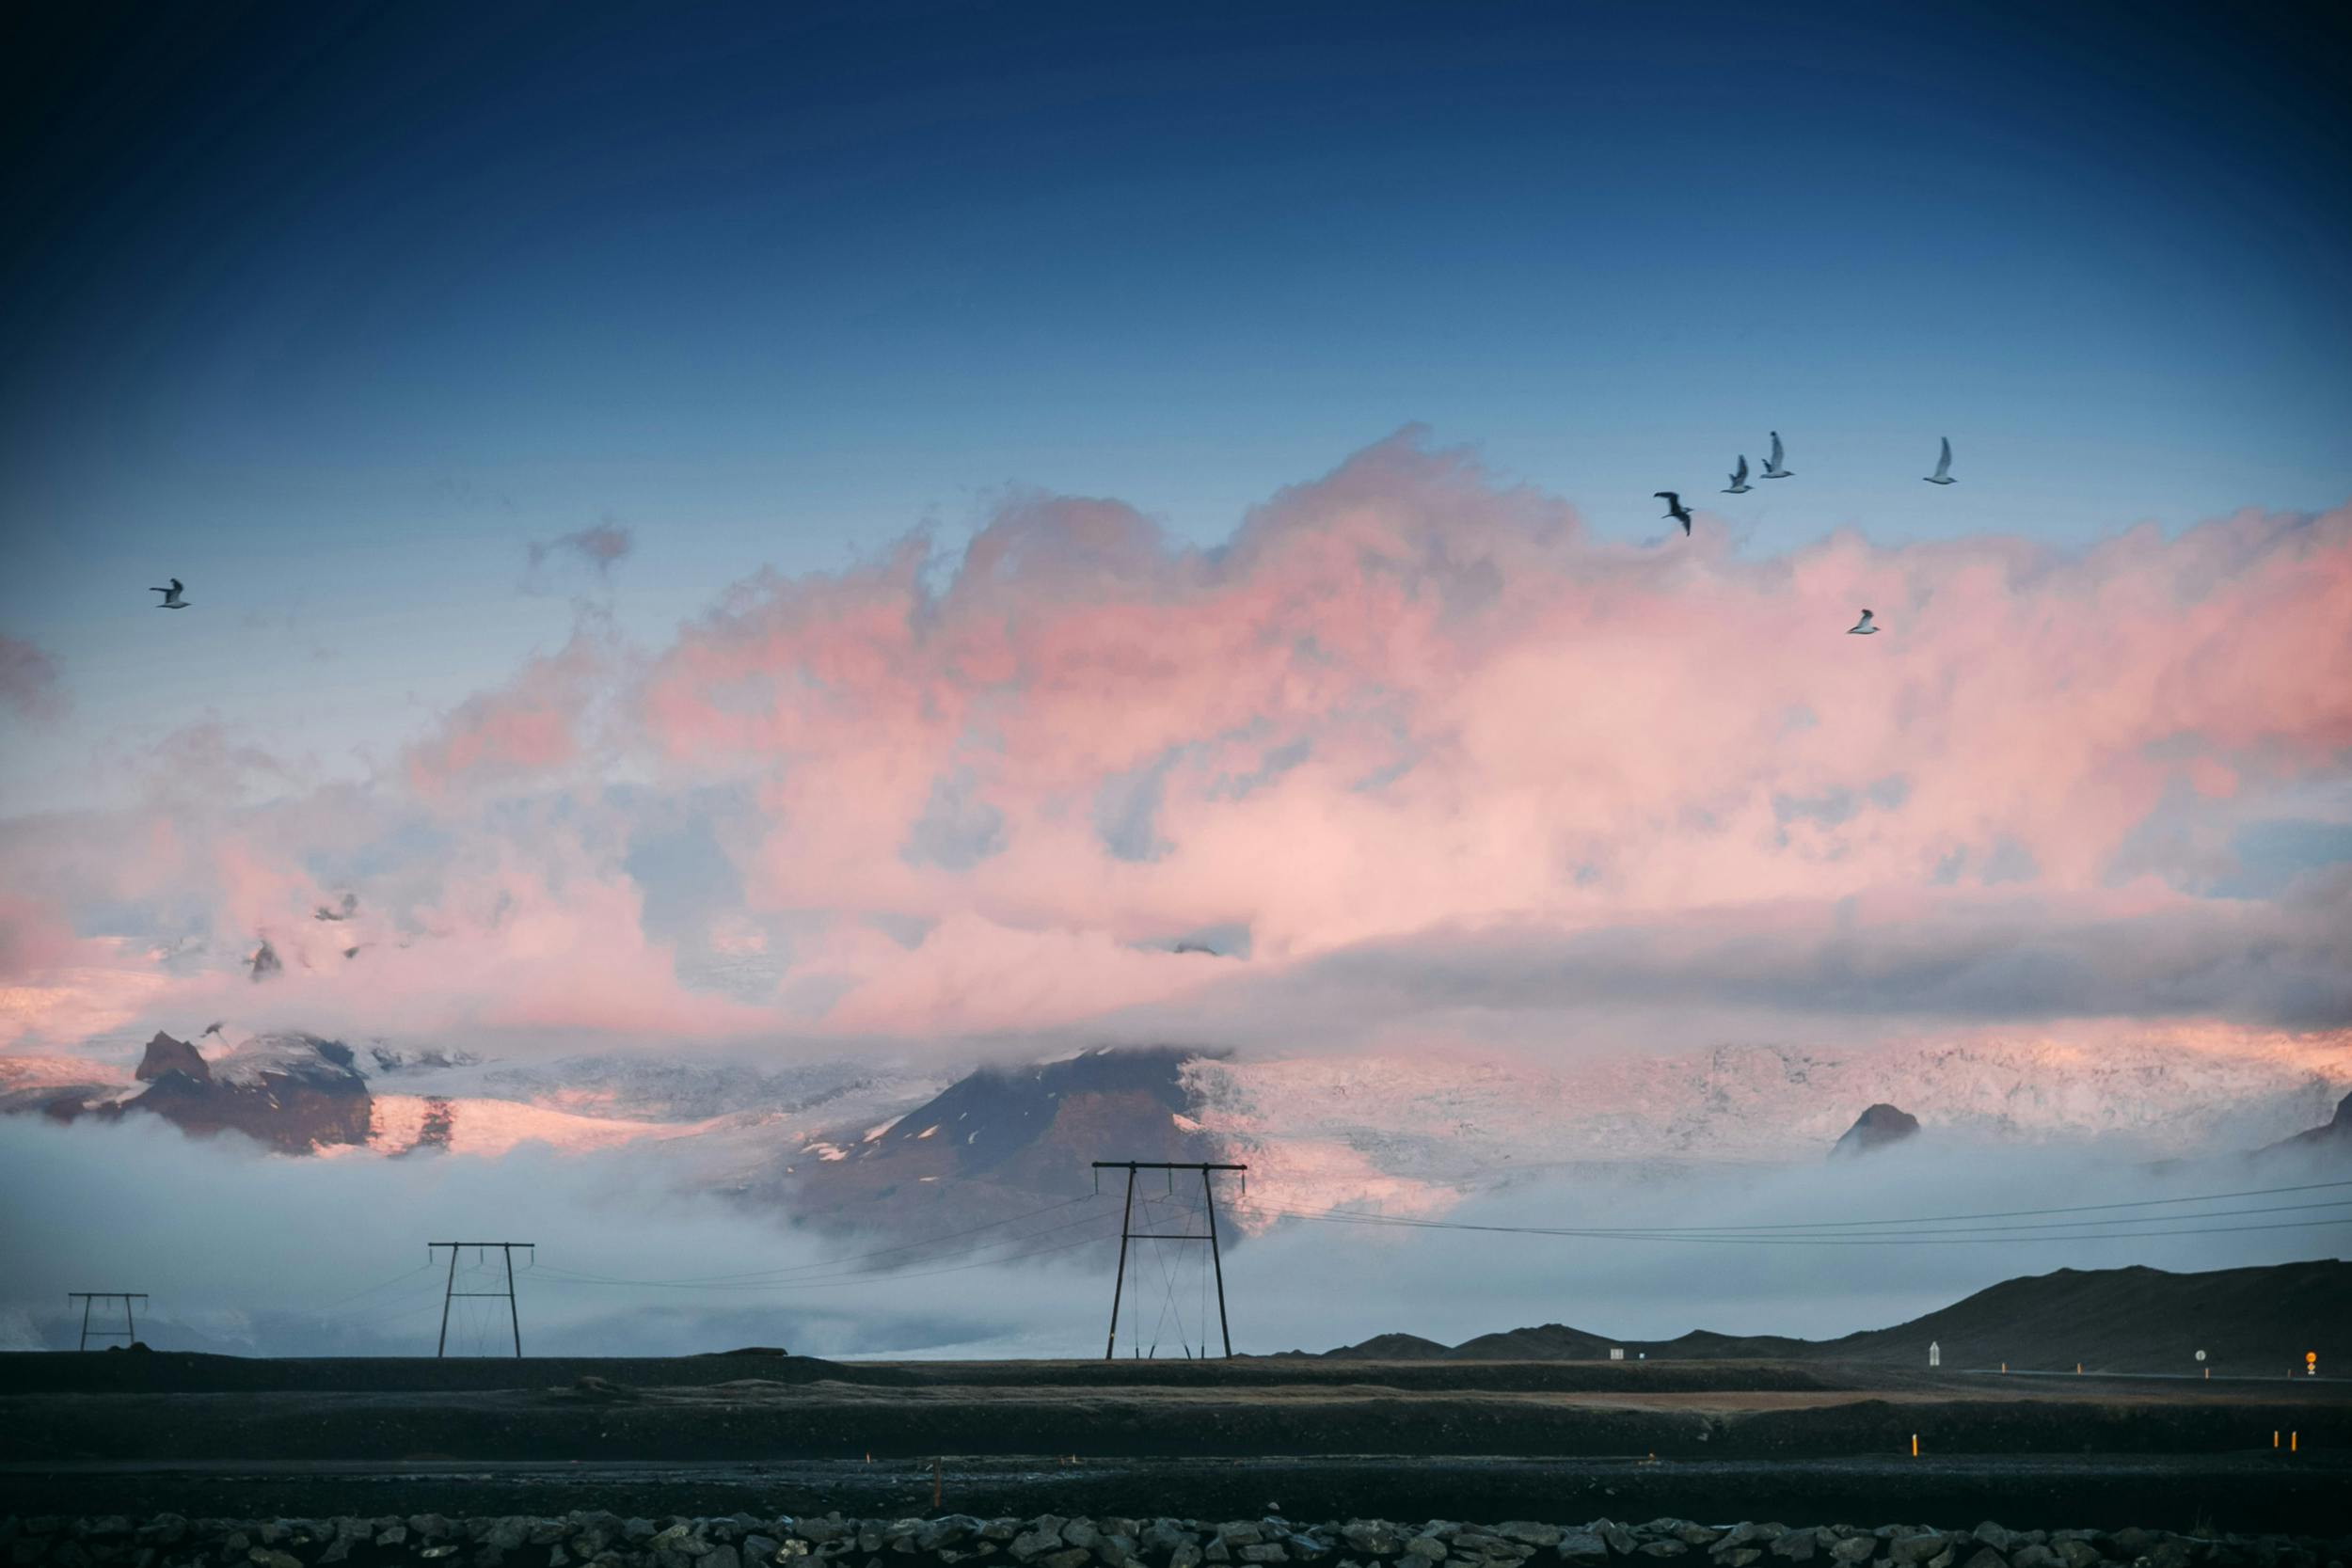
{"x":166,"y":1054}
{"x":1875,"y":1128}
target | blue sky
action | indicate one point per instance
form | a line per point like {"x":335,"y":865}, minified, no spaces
{"x":330,"y":313}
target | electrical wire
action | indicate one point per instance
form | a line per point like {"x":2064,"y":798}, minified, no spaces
{"x":369,"y":1290}
{"x":877,"y":1279}
{"x":838,"y":1266}
{"x":1825,"y":1225}
{"x":1809,"y":1234}
{"x":1924,"y":1239}
{"x":787,"y":1270}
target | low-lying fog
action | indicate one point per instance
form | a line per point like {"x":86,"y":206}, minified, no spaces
{"x":250,"y":1254}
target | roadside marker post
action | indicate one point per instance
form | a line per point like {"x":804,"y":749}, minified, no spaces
{"x":1915,"y":1445}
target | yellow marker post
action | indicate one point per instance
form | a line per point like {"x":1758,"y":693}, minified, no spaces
{"x":1915,"y":1445}
{"x":2291,"y":1440}
{"x":2274,"y":1438}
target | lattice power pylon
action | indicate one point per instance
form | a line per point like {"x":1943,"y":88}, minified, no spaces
{"x":1127,"y":1233}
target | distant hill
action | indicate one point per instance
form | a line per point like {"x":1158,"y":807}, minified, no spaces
{"x":2254,"y":1321}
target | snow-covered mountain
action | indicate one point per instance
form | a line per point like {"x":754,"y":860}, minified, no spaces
{"x":860,"y":1142}
{"x":1000,"y":1141}
{"x":1328,"y":1128}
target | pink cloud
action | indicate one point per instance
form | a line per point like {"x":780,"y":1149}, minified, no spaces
{"x":1403,"y":711}
{"x":1402,"y":697}
{"x":527,"y":730}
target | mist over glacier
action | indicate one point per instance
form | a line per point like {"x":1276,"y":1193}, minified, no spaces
{"x":246,"y":1252}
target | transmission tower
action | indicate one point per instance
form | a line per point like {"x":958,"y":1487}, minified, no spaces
{"x":128,"y":1333}
{"x":450,"y":1293}
{"x":1127,"y":1233}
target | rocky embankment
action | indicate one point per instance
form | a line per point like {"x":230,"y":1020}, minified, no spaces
{"x":591,"y":1539}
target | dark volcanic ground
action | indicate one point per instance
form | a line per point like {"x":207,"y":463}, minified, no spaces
{"x":137,"y":1432}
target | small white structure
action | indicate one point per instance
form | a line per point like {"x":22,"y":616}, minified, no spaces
{"x":1935,"y":1353}
{"x":1616,"y":1353}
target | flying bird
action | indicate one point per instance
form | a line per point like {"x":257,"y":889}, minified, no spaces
{"x":1943,"y":474}
{"x":1674,"y":508}
{"x":1740,"y":485}
{"x":1772,"y":465}
{"x":1862,"y":627}
{"x":171,"y":596}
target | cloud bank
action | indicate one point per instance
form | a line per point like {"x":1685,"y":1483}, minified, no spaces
{"x":1411,"y":750}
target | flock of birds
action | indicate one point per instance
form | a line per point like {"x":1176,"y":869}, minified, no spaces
{"x":1774,"y":467}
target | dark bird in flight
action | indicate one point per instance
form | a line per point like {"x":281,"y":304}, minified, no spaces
{"x":1772,"y":463}
{"x":171,"y":596}
{"x":1943,"y":474}
{"x":1862,"y":627}
{"x":1740,"y":485}
{"x":1674,"y":508}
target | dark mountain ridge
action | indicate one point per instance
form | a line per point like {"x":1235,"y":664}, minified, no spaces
{"x":2251,"y":1322}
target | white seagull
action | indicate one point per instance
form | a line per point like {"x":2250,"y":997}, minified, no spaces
{"x":1772,"y":465}
{"x":1943,"y":474}
{"x":1674,"y":508}
{"x":171,"y":596}
{"x":1740,"y":485}
{"x":1862,"y":627}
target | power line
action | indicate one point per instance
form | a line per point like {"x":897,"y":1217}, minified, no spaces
{"x":1794,"y":1234}
{"x":838,"y":1265}
{"x":369,"y":1290}
{"x":781,"y":1271}
{"x":1840,"y":1225}
{"x":861,"y":1279}
{"x":1704,"y":1238}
